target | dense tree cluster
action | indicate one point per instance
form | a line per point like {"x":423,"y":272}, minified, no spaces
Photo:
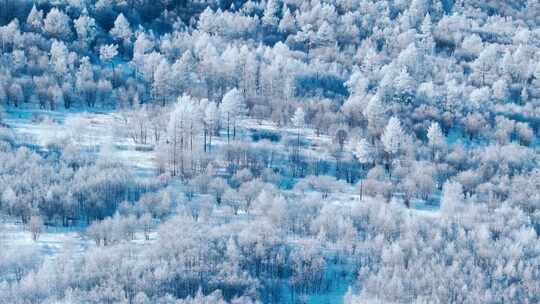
{"x":264,"y":120}
{"x":65,"y":188}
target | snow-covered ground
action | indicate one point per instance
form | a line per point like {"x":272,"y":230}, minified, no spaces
{"x":51,"y":242}
{"x":88,"y":130}
{"x":92,"y":130}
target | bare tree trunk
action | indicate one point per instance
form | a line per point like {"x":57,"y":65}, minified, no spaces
{"x":361,"y":189}
{"x":228,"y":128}
{"x":205,"y":131}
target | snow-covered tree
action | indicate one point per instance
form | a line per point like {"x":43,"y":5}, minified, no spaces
{"x":436,"y":138}
{"x":405,"y":87}
{"x":472,"y":46}
{"x":211,"y":120}
{"x":363,"y":151}
{"x":86,"y":29}
{"x":142,"y":45}
{"x":35,"y":19}
{"x":122,"y":30}
{"x":9,"y":34}
{"x":85,"y":82}
{"x":298,"y":118}
{"x":59,"y":58}
{"x":393,"y":136}
{"x":269,"y":17}
{"x":163,"y":82}
{"x":375,"y":113}
{"x":500,"y":90}
{"x":107,"y":53}
{"x":232,"y":108}
{"x":16,"y":94}
{"x":364,"y":154}
{"x":36,"y":226}
{"x":57,"y":24}
{"x":452,"y":199}
{"x":287,"y":24}
{"x":484,"y":65}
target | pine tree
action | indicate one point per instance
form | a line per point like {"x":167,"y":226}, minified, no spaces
{"x":269,"y":17}
{"x":287,"y":24}
{"x":122,"y":31}
{"x":35,"y":19}
{"x":326,"y":35}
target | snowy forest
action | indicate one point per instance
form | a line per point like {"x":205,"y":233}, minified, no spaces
{"x":269,"y":151}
